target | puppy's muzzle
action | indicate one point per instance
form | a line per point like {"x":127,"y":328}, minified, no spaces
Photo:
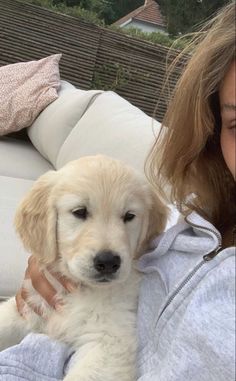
{"x":107,"y":262}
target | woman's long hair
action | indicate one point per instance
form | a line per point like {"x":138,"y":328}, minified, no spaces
{"x":190,"y":157}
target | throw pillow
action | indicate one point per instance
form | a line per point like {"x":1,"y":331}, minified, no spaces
{"x":26,"y":88}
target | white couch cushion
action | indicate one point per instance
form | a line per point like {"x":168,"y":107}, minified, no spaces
{"x":13,"y":258}
{"x":20,"y":159}
{"x":66,"y":86}
{"x":54,"y":124}
{"x":111,"y":126}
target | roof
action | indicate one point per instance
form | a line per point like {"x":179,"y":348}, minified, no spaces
{"x":149,"y":12}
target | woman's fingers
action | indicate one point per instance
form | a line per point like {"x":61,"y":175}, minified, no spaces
{"x":43,"y":287}
{"x":40,"y":283}
{"x":25,"y":298}
{"x":20,"y":304}
{"x":33,"y":270}
{"x":65,"y":282}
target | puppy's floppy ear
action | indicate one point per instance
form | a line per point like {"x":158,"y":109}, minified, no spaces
{"x":158,"y":215}
{"x":36,"y":219}
{"x":155,"y":222}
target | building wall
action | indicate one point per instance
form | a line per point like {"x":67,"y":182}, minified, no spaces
{"x":144,"y":26}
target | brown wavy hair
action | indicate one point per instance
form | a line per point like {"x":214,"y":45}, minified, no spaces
{"x":188,"y":156}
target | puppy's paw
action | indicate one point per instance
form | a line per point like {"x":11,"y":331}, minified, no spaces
{"x":12,"y":325}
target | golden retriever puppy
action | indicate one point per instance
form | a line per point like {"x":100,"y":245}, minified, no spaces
{"x":88,"y":221}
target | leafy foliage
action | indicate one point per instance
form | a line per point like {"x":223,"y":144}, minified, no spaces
{"x":183,"y":16}
{"x":155,"y":37}
{"x":75,"y":11}
{"x":107,"y":10}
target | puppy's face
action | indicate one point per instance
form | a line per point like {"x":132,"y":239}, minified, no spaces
{"x":102,"y":212}
{"x":97,"y":218}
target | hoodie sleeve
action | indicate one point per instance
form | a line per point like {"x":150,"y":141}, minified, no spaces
{"x":36,"y":358}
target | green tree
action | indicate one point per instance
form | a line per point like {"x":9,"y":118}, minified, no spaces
{"x":123,"y":7}
{"x":107,"y":10}
{"x":183,"y":16}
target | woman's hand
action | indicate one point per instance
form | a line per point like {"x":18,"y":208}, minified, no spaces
{"x":42,"y":286}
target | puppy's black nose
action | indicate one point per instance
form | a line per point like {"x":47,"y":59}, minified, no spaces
{"x":107,"y":262}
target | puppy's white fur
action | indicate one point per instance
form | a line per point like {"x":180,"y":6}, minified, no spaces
{"x":99,"y":318}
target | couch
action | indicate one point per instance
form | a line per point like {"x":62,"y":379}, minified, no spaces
{"x":76,"y":124}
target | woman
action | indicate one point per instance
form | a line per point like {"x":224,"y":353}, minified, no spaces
{"x":186,"y":307}
{"x":188,"y":333}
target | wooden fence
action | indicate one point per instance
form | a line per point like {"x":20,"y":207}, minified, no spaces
{"x":93,"y":57}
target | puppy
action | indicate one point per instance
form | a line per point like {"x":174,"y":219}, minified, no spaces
{"x":88,"y":221}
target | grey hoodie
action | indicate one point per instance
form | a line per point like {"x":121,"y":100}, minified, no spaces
{"x":186,"y":317}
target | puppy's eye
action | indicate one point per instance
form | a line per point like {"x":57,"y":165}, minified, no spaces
{"x":80,"y":213}
{"x":128,"y":217}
